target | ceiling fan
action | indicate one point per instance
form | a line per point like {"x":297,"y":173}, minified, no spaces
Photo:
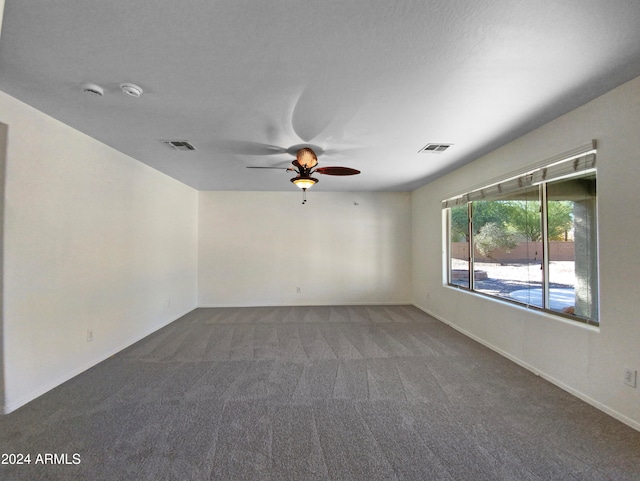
{"x":304,"y":165}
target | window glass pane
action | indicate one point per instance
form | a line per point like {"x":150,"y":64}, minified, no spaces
{"x":459,"y":246}
{"x":573,"y":276}
{"x":508,"y":246}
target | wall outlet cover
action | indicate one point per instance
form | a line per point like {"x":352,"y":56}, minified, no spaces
{"x":630,"y":376}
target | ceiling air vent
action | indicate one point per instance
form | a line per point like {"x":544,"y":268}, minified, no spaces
{"x":434,"y":148}
{"x":183,"y":145}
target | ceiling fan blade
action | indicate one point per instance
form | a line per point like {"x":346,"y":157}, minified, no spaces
{"x":316,"y":108}
{"x":346,"y":151}
{"x":327,"y":102}
{"x":243,"y":147}
{"x":336,"y":171}
{"x":277,"y":168}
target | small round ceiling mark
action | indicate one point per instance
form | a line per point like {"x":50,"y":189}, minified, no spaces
{"x":131,"y":89}
{"x":92,"y":89}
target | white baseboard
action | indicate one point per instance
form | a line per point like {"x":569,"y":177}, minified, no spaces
{"x":74,"y":372}
{"x":311,"y":304}
{"x":580,"y":395}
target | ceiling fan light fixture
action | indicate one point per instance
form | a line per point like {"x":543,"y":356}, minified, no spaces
{"x":304,"y":182}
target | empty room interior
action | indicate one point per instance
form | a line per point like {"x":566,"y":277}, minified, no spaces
{"x":320,"y":240}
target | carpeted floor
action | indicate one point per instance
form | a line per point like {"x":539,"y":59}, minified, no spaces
{"x":314,"y":393}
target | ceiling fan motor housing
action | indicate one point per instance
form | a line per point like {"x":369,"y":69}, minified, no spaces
{"x":306,"y":158}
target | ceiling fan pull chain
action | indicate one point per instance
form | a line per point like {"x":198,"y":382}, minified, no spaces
{"x":304,"y":196}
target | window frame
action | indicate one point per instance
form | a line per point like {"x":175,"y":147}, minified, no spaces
{"x":468,"y":200}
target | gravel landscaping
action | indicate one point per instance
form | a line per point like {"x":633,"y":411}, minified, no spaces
{"x":505,"y":278}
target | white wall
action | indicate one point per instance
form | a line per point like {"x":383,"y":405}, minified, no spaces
{"x":1,"y":14}
{"x":93,"y":240}
{"x":256,"y":248}
{"x":3,"y":152}
{"x":588,"y":362}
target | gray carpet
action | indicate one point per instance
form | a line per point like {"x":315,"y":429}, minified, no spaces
{"x":315,"y":393}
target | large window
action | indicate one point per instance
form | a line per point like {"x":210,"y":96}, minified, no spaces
{"x":531,"y":238}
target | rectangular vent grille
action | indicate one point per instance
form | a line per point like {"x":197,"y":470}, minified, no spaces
{"x":434,"y":148}
{"x":183,"y":145}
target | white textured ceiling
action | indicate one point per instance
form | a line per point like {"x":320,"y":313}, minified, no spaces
{"x":368,"y":81}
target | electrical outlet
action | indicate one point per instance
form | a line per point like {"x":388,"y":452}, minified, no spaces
{"x":630,"y":376}
{"x":89,"y":335}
